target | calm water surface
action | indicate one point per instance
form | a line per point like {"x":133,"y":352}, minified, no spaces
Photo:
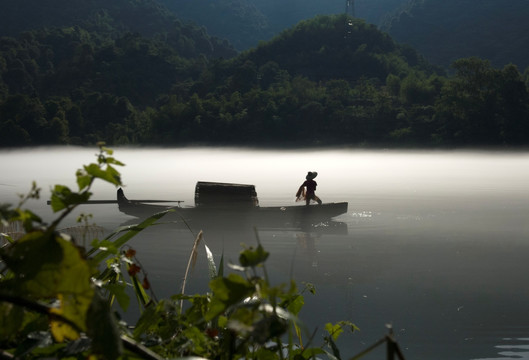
{"x":434,"y":243}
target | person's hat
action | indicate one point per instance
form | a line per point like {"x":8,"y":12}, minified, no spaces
{"x":311,"y":175}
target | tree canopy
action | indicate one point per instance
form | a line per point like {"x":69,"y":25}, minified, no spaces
{"x":327,"y":81}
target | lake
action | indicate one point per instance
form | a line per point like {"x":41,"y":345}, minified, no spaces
{"x":434,"y":243}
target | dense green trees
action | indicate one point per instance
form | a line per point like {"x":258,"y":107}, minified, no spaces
{"x":97,"y":85}
{"x":106,"y":20}
{"x":26,"y":120}
{"x":330,"y":80}
{"x":483,"y":105}
{"x":236,"y":20}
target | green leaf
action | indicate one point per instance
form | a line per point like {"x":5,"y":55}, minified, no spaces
{"x":252,"y":258}
{"x":311,"y":288}
{"x":296,"y":304}
{"x":334,"y":330}
{"x":31,"y":253}
{"x":107,"y":243}
{"x":272,"y":326}
{"x":103,"y":330}
{"x":139,"y":291}
{"x":227,"y":291}
{"x":148,"y":319}
{"x":200,"y":306}
{"x":223,"y":321}
{"x":47,"y":266}
{"x":104,"y":245}
{"x":265,"y":354}
{"x":130,"y":232}
{"x":111,"y":160}
{"x":110,"y":174}
{"x":70,"y":308}
{"x":83,"y":179}
{"x":118,"y":291}
{"x":11,"y":319}
{"x":198,"y":338}
{"x":62,"y":197}
{"x":307,"y":353}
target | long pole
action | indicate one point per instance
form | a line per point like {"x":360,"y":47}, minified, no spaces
{"x":134,"y":201}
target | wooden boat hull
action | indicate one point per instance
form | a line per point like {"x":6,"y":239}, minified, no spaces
{"x":224,"y":213}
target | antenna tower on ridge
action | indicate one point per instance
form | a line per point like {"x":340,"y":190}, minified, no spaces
{"x":350,"y":7}
{"x":349,"y":15}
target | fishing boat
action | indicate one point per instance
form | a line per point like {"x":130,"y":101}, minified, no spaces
{"x":226,"y":202}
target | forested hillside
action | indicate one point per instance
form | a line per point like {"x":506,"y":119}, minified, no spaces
{"x":111,"y":19}
{"x":444,"y":31}
{"x":327,"y":81}
{"x":246,"y":22}
{"x":318,"y":83}
{"x":326,"y":48}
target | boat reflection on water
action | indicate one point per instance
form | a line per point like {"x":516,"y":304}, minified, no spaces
{"x":227,"y":228}
{"x":307,"y":242}
{"x":233,"y":222}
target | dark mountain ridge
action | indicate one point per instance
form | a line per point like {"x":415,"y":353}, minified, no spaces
{"x":333,"y":47}
{"x":442,"y":31}
{"x":329,"y":80}
{"x":247,"y":22}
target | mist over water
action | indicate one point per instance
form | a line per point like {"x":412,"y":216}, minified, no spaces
{"x":435,"y":242}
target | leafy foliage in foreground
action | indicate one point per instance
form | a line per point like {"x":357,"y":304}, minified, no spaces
{"x":56,"y":296}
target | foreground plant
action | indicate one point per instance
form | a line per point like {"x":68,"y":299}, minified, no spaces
{"x":49,"y":303}
{"x":56,"y":296}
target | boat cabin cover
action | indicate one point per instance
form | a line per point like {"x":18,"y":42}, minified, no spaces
{"x":213,"y":194}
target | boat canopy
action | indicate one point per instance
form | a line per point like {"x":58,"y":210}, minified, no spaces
{"x":214,"y":194}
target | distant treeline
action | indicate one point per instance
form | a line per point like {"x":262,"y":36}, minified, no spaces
{"x":330,"y":80}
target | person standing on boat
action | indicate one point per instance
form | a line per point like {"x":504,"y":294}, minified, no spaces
{"x":308,"y":188}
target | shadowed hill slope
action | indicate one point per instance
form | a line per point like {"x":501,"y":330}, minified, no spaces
{"x":335,"y":47}
{"x":444,"y":31}
{"x":112,"y":19}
